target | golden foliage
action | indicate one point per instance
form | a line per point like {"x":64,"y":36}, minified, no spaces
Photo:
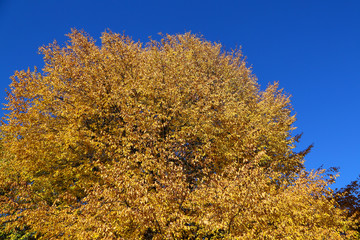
{"x":171,"y":140}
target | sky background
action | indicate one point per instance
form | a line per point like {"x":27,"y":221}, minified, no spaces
{"x":310,"y":47}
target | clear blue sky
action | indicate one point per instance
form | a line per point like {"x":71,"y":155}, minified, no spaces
{"x":311,"y":47}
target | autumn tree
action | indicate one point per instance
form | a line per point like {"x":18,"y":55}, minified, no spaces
{"x":168,"y":140}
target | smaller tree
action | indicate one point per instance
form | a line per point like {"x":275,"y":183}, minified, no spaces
{"x":348,"y":198}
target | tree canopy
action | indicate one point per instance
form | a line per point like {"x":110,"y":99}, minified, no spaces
{"x":169,"y":140}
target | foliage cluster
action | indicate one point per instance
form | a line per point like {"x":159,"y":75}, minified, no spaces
{"x":169,"y":140}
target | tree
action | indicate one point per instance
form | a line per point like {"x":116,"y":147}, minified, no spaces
{"x":171,"y":140}
{"x":348,"y":198}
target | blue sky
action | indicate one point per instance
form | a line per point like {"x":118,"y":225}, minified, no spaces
{"x":310,"y":47}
